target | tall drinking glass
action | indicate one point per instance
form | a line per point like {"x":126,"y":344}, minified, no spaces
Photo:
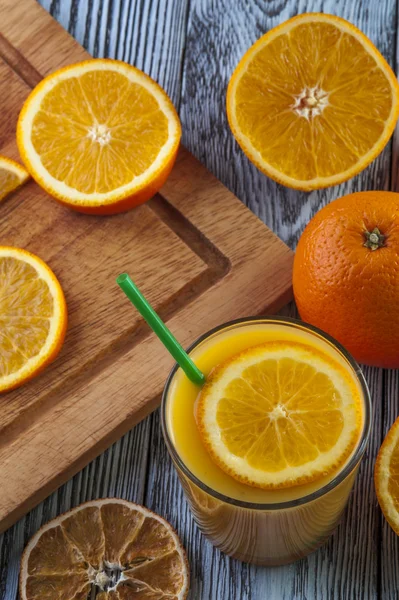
{"x":267,"y":527}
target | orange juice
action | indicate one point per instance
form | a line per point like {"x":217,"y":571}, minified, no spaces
{"x":253,"y":524}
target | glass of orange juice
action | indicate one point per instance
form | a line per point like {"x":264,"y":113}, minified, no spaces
{"x":263,"y":526}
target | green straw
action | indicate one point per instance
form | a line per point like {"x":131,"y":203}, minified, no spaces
{"x":160,"y":329}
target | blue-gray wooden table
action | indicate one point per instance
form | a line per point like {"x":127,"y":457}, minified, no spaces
{"x":191,"y":48}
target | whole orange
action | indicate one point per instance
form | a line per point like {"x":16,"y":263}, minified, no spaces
{"x":346,"y":275}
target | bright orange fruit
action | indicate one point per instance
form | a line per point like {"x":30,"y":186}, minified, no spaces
{"x":346,"y":275}
{"x":109,"y":549}
{"x":386,"y":477}
{"x":312,"y":102}
{"x":33,"y":316}
{"x":100,"y":136}
{"x":279,"y":415}
{"x":12,"y":175}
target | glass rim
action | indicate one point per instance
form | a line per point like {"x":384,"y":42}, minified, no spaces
{"x":337,"y":480}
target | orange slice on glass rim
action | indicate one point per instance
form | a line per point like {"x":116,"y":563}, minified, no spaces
{"x":12,"y":175}
{"x":279,"y":415}
{"x":109,"y":549}
{"x":100,"y":136}
{"x":33,"y":316}
{"x":312,"y":102}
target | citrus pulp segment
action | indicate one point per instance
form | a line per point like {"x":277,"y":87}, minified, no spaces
{"x":279,"y":415}
{"x":12,"y":175}
{"x":386,"y":477}
{"x":114,"y":548}
{"x":312,"y":102}
{"x":100,"y":136}
{"x":33,"y":316}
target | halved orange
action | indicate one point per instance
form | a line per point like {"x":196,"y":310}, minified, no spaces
{"x":312,"y":102}
{"x":279,"y":415}
{"x":386,"y":477}
{"x":106,"y":549}
{"x":99,"y":136}
{"x":12,"y":175}
{"x":33,"y":316}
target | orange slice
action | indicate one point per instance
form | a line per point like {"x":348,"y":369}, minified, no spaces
{"x":312,"y":102}
{"x":386,"y":477}
{"x":109,"y":549}
{"x":33,"y":316}
{"x":279,"y":415}
{"x":12,"y":175}
{"x":99,"y":136}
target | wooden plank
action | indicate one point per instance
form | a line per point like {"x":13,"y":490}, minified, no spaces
{"x":118,"y":472}
{"x":220,"y":37}
{"x":389,"y":546}
{"x":149,"y":34}
{"x":217,"y":576}
{"x":71,"y":445}
{"x":348,"y":566}
{"x":49,"y":428}
{"x":130,"y":453}
{"x":67,"y":241}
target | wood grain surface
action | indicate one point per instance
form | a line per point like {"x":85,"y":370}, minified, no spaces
{"x":191,"y":48}
{"x":179,"y":248}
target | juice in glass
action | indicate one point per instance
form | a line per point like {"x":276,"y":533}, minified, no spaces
{"x":268,"y":527}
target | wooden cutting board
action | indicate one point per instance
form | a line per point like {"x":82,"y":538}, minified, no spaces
{"x":197,"y":253}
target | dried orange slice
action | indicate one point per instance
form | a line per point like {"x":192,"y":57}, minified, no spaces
{"x":312,"y":102}
{"x":109,"y":549}
{"x":33,"y":316}
{"x":12,"y":175}
{"x":99,"y":136}
{"x":386,"y":477}
{"x":279,"y":415}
